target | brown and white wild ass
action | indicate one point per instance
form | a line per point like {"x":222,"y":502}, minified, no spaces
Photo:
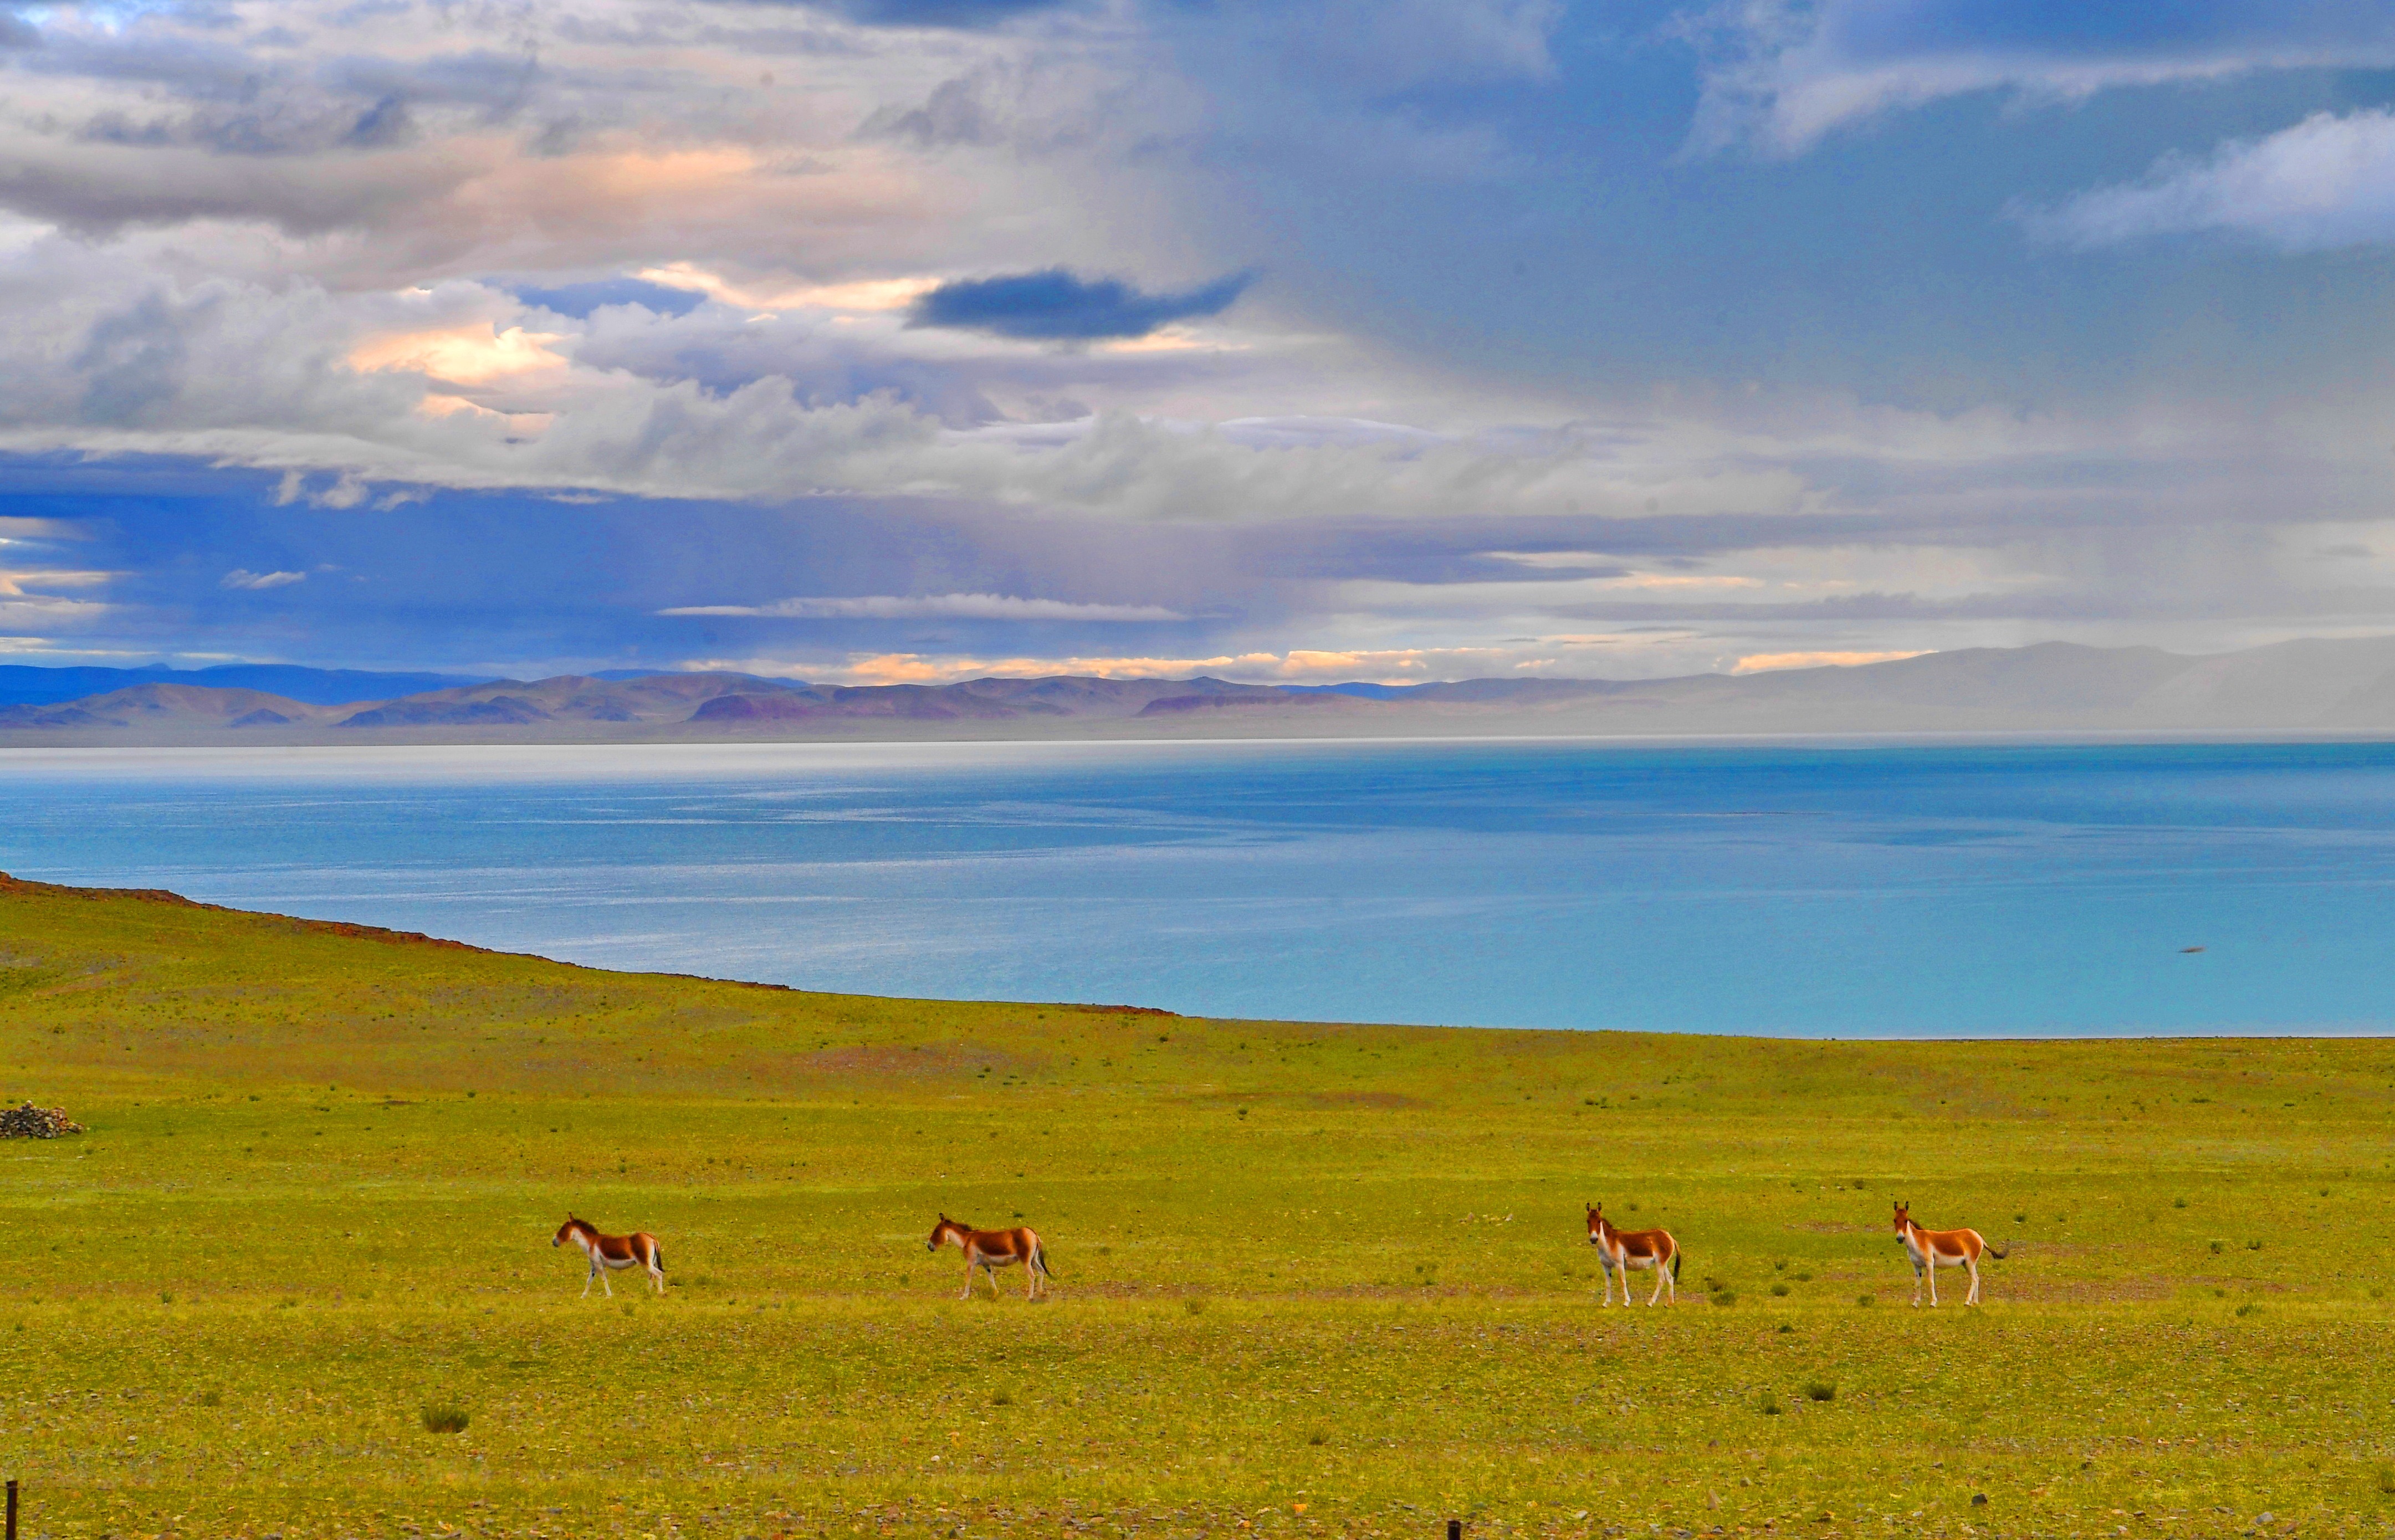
{"x":990,"y":1248}
{"x":1931,"y":1250}
{"x":612,"y":1252}
{"x":1622,"y":1250}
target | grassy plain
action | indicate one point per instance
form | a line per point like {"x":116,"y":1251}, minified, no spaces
{"x":1312,"y":1280}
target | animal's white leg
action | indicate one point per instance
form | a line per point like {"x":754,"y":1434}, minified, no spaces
{"x":1660,"y":1278}
{"x":1605,"y":1266}
{"x":1917,"y":1285}
{"x":1932,"y":1281}
{"x":1972,"y":1297}
{"x":586,"y":1281}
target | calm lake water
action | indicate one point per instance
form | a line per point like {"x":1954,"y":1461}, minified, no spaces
{"x":1819,"y":891}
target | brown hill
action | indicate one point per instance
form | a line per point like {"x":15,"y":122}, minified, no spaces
{"x":568,"y":697}
{"x":975,"y":700}
{"x":170,"y":706}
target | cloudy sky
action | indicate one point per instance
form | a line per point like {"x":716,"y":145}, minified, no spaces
{"x":1309,"y":339}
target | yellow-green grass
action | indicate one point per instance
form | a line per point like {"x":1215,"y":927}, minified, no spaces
{"x":1310,"y":1279}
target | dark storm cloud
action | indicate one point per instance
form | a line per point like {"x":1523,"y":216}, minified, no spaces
{"x":497,"y":83}
{"x":1055,"y":306}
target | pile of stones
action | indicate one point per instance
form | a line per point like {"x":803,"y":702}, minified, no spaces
{"x":36,"y":1123}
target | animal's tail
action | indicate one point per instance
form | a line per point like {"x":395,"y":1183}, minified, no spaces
{"x":1999,"y":1253}
{"x":1675,"y":1262}
{"x":1039,"y":1260}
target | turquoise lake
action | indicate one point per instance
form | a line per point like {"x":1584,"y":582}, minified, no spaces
{"x":1828,"y":890}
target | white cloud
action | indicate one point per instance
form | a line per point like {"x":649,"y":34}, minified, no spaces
{"x":1786,"y":73}
{"x":241,"y":578}
{"x":1772,"y":662}
{"x":15,"y":529}
{"x":2327,"y":182}
{"x":1291,"y":666}
{"x":961,"y":606}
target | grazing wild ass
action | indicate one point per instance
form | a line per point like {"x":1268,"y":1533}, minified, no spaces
{"x":1622,"y":1250}
{"x":612,"y":1252}
{"x":991,"y":1249}
{"x":1931,"y":1250}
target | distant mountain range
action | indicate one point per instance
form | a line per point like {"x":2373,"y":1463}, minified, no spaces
{"x":2302,"y":687}
{"x":26,"y":685}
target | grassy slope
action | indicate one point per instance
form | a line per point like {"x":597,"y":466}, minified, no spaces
{"x":1334,"y":1267}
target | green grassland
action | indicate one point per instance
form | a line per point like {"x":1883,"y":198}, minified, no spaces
{"x":1311,"y":1279}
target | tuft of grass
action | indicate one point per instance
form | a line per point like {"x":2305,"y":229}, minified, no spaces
{"x":1001,"y":1398}
{"x":1820,"y":1390}
{"x":1194,"y":1306}
{"x":2249,"y":1308}
{"x":1319,"y":1437}
{"x":1866,"y":1300}
{"x":1725,"y":1298}
{"x":1767,"y":1403}
{"x":443,"y":1418}
{"x":1779,"y":1291}
{"x":2387,"y":1480}
{"x":210,"y":1398}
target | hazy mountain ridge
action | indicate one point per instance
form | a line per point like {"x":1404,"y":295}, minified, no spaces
{"x":31,"y":685}
{"x":2306,"y":686}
